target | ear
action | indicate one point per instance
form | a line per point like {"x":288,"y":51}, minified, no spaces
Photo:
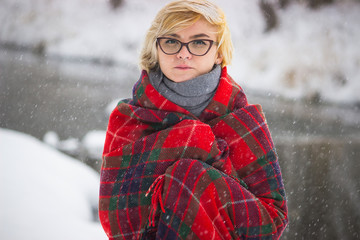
{"x":219,"y":58}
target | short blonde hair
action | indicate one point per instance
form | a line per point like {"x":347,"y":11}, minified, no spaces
{"x":179,"y":15}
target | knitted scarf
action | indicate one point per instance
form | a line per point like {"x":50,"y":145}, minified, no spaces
{"x":193,"y":95}
{"x":167,"y":174}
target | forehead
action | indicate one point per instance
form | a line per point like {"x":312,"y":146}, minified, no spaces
{"x":200,"y":29}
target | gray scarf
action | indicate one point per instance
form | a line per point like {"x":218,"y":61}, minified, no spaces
{"x":193,"y":95}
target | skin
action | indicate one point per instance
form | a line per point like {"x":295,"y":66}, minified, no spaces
{"x":184,"y":66}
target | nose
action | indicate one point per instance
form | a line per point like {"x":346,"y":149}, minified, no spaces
{"x":184,"y":53}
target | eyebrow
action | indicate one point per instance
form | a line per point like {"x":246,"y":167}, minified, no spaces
{"x":200,"y":35}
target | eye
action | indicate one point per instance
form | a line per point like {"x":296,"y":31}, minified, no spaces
{"x":199,"y":42}
{"x":171,"y":41}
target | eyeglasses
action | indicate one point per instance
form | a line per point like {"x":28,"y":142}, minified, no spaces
{"x":198,"y":47}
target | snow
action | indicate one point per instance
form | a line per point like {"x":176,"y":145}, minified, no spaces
{"x":89,"y":147}
{"x":44,"y":193}
{"x":70,"y":146}
{"x":93,"y":142}
{"x":312,"y":52}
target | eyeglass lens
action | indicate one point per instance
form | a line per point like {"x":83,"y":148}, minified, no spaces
{"x":195,"y":47}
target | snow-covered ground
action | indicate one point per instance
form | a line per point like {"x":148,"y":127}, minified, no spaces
{"x":44,"y":193}
{"x":311,"y":53}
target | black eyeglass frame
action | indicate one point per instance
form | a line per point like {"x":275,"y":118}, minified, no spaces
{"x":186,"y":45}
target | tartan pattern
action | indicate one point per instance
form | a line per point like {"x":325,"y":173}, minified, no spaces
{"x":217,"y":176}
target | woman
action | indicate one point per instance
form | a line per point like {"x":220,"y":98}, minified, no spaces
{"x":187,"y":157}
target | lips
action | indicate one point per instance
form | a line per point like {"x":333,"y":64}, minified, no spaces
{"x":183,"y":67}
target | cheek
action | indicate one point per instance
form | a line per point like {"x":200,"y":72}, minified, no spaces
{"x":163,"y":59}
{"x":209,"y":62}
{"x":165,"y":63}
{"x":161,"y":62}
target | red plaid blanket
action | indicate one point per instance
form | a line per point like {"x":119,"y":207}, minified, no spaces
{"x":167,"y":174}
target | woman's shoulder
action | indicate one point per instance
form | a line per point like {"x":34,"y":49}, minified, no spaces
{"x":230,"y":93}
{"x":229,"y":81}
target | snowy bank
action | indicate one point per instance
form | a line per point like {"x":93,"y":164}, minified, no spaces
{"x":45,"y":194}
{"x":312,"y":54}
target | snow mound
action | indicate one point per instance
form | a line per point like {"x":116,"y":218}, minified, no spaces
{"x":45,"y":194}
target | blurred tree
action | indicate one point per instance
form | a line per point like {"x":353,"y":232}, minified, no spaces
{"x":116,"y":3}
{"x":318,"y":3}
{"x":283,"y":3}
{"x":268,"y":11}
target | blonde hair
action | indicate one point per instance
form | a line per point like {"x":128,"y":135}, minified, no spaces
{"x":179,"y":15}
